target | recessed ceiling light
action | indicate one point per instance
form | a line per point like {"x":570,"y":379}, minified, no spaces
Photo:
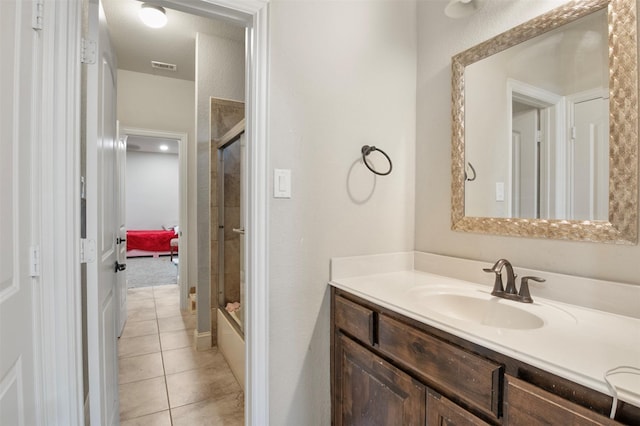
{"x":153,"y":16}
{"x":164,"y":148}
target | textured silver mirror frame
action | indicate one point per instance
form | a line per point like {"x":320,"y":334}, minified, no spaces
{"x":622,"y":227}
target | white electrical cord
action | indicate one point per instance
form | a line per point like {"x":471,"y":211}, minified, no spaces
{"x":625,"y":369}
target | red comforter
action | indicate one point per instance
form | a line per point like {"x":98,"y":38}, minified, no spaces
{"x":150,"y":240}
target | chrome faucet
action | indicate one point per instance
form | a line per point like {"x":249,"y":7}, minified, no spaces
{"x":510,"y":291}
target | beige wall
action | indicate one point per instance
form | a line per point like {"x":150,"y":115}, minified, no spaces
{"x":220,"y":74}
{"x":342,"y":74}
{"x":159,"y":103}
{"x":439,"y":39}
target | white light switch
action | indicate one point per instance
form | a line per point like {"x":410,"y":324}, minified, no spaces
{"x":499,"y":191}
{"x":281,"y":183}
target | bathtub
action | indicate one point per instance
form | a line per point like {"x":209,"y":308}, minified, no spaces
{"x":231,"y":345}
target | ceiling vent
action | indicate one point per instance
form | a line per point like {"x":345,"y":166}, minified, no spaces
{"x":164,"y":66}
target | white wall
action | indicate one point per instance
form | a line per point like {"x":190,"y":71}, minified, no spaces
{"x":342,"y":74}
{"x":152,"y":190}
{"x":220,"y":74}
{"x":439,"y":39}
{"x":159,"y":103}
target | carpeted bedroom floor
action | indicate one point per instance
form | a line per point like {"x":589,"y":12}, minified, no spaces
{"x":151,"y":271}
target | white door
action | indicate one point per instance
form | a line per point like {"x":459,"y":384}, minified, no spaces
{"x":102,"y":225}
{"x":590,"y":160}
{"x":525,"y":164}
{"x":17,"y":44}
{"x":121,"y":239}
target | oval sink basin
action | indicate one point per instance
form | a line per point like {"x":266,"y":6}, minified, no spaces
{"x":493,"y":312}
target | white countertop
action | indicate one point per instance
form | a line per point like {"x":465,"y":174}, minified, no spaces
{"x":575,"y":342}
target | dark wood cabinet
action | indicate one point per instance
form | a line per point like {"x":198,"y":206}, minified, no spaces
{"x":529,"y":405}
{"x":442,"y":412}
{"x":450,"y":369}
{"x":387,"y":369}
{"x":372,"y":392}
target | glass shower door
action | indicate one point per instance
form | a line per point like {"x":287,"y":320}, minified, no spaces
{"x":231,"y":238}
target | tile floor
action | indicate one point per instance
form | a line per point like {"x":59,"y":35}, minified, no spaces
{"x":163,"y":380}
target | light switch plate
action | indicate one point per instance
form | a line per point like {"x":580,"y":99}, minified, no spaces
{"x":281,"y":183}
{"x":499,"y":191}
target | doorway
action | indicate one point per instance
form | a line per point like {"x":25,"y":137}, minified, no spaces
{"x":157,"y":187}
{"x":173,"y":371}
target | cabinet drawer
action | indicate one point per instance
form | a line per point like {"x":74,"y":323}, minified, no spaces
{"x":354,"y":319}
{"x":526,"y":404}
{"x":441,"y":411}
{"x":445,"y":367}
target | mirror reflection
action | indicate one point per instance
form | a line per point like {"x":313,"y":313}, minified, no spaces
{"x":537,"y":126}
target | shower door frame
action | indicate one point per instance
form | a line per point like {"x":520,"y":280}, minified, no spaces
{"x":221,"y":146}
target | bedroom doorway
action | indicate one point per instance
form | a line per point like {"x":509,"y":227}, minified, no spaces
{"x":156,"y":194}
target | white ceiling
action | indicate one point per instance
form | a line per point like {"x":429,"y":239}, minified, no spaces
{"x":136,"y":45}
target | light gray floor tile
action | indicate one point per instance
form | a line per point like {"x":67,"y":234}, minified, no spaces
{"x":178,"y":360}
{"x":176,"y":339}
{"x":141,"y":310}
{"x":165,"y":311}
{"x":198,"y":385}
{"x":226,"y":411}
{"x":142,"y":398}
{"x":140,"y":345}
{"x":166,"y":290}
{"x":140,"y":328}
{"x":158,"y":342}
{"x":140,"y":367}
{"x":178,"y":322}
{"x":136,"y":304}
{"x":163,"y":418}
{"x":140,"y":293}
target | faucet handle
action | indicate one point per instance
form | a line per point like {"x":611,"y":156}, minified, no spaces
{"x":497,"y":285}
{"x":524,"y":294}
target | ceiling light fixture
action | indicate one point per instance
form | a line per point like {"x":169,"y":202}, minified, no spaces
{"x":457,"y":9}
{"x":153,"y":16}
{"x":164,"y":148}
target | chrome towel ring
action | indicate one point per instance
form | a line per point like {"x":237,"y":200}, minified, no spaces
{"x":366,"y":150}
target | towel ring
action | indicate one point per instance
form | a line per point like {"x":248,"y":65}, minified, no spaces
{"x":467,"y":178}
{"x":366,"y":150}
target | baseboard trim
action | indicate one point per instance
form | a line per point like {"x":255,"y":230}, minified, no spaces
{"x":202,"y":341}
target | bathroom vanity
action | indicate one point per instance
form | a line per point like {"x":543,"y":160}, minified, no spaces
{"x":411,"y":347}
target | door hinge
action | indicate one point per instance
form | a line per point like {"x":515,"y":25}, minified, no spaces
{"x":87,"y":250}
{"x":37,"y":15}
{"x":88,"y":51}
{"x":573,"y":132}
{"x":34,"y":261}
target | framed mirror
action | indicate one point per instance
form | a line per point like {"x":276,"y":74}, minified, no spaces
{"x":545,"y":127}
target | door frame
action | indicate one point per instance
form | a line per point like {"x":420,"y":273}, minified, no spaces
{"x":183,"y":221}
{"x":552,"y":149}
{"x":254,"y":15}
{"x":59,"y":308}
{"x":58,"y":304}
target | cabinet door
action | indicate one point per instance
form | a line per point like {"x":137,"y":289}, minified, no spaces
{"x":527,"y":404}
{"x":442,"y":412}
{"x":370,"y":391}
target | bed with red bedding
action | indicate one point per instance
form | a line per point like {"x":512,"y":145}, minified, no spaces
{"x":150,"y":240}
